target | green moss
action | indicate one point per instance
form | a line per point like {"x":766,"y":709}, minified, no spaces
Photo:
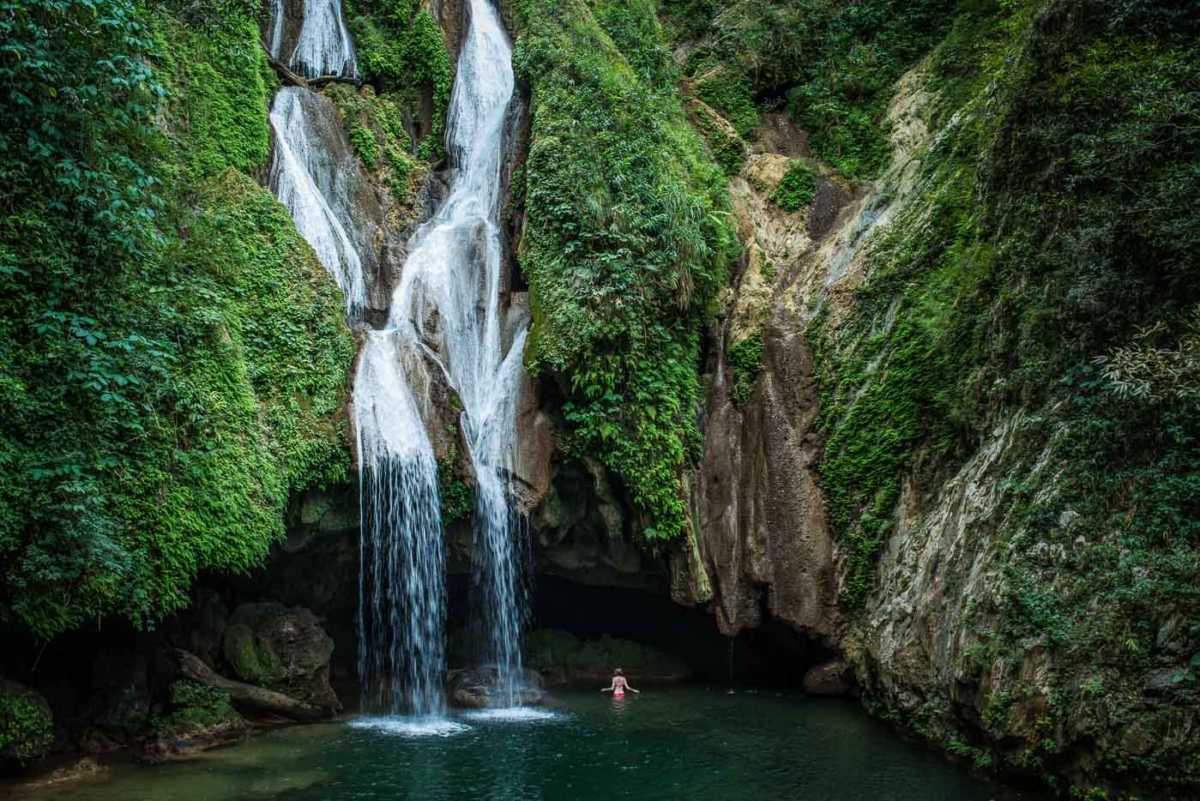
{"x":218,"y":90}
{"x":1046,"y":254}
{"x":831,"y":64}
{"x":253,"y":664}
{"x":627,"y":239}
{"x":26,"y":725}
{"x":375,"y":126}
{"x":726,"y":147}
{"x":458,"y":500}
{"x":745,"y":365}
{"x":362,"y":139}
{"x":197,"y":708}
{"x":731,"y":96}
{"x":797,"y":187}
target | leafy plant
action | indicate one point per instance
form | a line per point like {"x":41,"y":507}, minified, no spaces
{"x":627,"y":238}
{"x":797,"y":187}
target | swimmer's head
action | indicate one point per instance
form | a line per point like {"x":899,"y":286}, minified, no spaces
{"x":618,"y":672}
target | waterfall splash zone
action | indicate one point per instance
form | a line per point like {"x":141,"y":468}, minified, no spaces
{"x":401,"y":657}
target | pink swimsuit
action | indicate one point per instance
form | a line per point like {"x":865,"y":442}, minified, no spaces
{"x":619,"y":692}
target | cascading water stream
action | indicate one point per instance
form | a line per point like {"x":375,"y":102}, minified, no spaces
{"x":322,"y":46}
{"x":298,"y":173}
{"x":448,"y":303}
{"x":445,"y":318}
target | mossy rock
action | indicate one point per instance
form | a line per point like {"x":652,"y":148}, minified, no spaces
{"x":201,"y":717}
{"x":198,"y":708}
{"x":283,"y":649}
{"x":252,"y":663}
{"x":26,"y":724}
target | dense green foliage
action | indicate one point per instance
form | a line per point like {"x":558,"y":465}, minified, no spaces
{"x":26,"y":726}
{"x":796,"y":188}
{"x":1011,"y":301}
{"x":172,"y":357}
{"x":745,"y":365}
{"x":402,"y":54}
{"x":626,"y":242}
{"x":830,"y":63}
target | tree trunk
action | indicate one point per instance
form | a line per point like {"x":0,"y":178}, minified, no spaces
{"x":247,"y":695}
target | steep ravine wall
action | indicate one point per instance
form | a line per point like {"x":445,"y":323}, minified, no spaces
{"x":856,"y":486}
{"x":761,"y":537}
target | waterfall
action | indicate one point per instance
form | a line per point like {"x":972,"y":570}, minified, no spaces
{"x":322,"y":45}
{"x":305,"y":179}
{"x":401,"y":623}
{"x":445,"y":322}
{"x":449,"y":298}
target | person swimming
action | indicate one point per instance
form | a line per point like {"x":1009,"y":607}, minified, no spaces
{"x":619,"y":685}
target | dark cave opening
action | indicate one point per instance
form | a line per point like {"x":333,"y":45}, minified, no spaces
{"x":772,"y":655}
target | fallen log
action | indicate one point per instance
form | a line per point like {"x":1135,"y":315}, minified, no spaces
{"x":249,"y":696}
{"x":291,"y":78}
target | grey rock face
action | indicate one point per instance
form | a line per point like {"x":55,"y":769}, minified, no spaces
{"x":830,"y":678}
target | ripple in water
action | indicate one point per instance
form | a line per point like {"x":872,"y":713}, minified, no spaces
{"x":410,"y":726}
{"x":514,"y":714}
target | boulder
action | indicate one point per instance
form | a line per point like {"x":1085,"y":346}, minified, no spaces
{"x":201,"y":717}
{"x":476,"y":688}
{"x":26,"y":725}
{"x":832,"y":678}
{"x":282,"y":649}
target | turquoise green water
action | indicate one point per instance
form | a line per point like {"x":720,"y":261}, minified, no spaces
{"x":664,"y":744}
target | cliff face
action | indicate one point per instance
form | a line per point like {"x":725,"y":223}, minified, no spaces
{"x":928,"y":414}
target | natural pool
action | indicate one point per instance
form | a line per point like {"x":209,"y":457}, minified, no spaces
{"x":677,"y":743}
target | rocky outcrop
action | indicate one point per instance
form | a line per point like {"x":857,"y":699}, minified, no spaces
{"x":282,"y":649}
{"x":760,"y":538}
{"x":832,"y":678}
{"x":562,"y":658}
{"x":201,"y":717}
{"x":250,"y":697}
{"x":583,"y":531}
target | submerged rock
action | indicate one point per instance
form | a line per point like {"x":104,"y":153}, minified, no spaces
{"x":84,"y":768}
{"x":476,"y":688}
{"x":283,"y":649}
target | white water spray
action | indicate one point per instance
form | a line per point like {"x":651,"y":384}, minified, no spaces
{"x":304,"y":177}
{"x":449,"y":299}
